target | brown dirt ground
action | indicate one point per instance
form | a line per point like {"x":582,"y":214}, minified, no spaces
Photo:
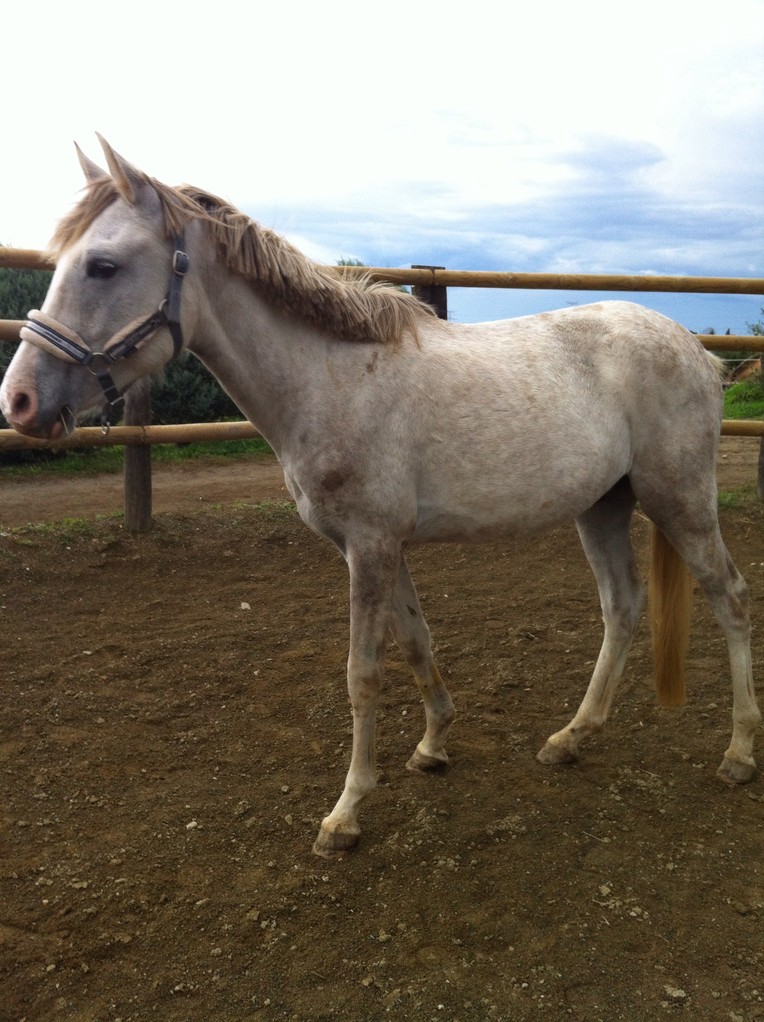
{"x":174,"y":726}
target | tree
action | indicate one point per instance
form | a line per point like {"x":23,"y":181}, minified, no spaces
{"x":20,"y":291}
{"x":757,"y":328}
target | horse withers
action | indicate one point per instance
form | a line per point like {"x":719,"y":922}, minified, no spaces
{"x":395,"y":428}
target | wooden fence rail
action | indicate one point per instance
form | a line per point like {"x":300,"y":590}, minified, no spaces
{"x":431,"y":283}
{"x":436,"y":277}
{"x":136,"y":436}
{"x":201,"y":432}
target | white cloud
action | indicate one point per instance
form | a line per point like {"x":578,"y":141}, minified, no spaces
{"x":584,"y":135}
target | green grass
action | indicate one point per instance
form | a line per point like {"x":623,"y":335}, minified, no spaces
{"x":275,"y":509}
{"x":745,"y":400}
{"x":733,"y":500}
{"x":96,"y":460}
{"x":68,"y":531}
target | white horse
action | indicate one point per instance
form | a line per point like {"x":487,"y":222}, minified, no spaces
{"x":396,"y":428}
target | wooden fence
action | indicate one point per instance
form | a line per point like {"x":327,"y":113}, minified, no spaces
{"x":430,"y":283}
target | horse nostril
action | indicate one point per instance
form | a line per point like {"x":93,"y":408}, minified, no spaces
{"x":21,"y":403}
{"x":23,"y":410}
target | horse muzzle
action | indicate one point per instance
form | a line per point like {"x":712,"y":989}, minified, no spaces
{"x":21,"y":406}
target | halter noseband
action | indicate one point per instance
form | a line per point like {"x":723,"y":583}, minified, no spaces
{"x":46,"y":333}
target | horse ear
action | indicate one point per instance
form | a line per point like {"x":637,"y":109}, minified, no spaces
{"x":127,"y":178}
{"x":91,"y":170}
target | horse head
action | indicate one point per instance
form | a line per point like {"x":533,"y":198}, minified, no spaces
{"x":112,"y":313}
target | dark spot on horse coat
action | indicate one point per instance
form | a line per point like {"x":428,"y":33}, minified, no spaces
{"x":372,"y":365}
{"x":333,"y":480}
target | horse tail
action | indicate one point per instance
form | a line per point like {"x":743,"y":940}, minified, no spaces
{"x":670,"y":608}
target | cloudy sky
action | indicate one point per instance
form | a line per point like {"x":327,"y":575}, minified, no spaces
{"x":556,"y":137}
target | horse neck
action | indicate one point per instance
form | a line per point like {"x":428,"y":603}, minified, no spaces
{"x":268,"y":361}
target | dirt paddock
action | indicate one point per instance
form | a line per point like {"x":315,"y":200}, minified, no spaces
{"x":175,"y":725}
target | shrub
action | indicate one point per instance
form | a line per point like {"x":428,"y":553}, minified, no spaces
{"x":187,"y":392}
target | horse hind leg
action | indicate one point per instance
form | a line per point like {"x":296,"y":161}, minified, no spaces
{"x":696,"y":538}
{"x":604,"y":531}
{"x":412,"y":637}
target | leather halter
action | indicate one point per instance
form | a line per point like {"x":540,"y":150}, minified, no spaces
{"x":55,"y":338}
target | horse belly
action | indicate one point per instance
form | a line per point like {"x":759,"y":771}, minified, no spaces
{"x":485,"y":499}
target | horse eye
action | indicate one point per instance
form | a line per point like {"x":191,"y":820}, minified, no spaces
{"x":101,"y":269}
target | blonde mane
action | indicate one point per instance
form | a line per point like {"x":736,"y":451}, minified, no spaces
{"x":353,"y":309}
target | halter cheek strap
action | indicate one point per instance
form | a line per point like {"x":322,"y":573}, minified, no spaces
{"x":55,"y":338}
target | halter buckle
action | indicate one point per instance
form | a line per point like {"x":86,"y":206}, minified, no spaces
{"x":180,"y":263}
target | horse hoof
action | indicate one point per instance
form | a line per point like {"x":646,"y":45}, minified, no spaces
{"x":335,"y":844}
{"x":732,"y":771}
{"x":555,"y":755}
{"x":420,"y":763}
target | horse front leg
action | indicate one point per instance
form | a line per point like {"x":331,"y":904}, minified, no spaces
{"x":604,"y":534}
{"x":413,"y":639}
{"x":372,"y":580}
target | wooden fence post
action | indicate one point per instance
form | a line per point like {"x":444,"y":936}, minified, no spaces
{"x":138,"y":459}
{"x":434,"y":294}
